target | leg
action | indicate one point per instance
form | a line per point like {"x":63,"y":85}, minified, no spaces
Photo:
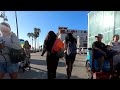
{"x":12,"y":69}
{"x":13,"y":75}
{"x":101,"y":61}
{"x":2,"y":75}
{"x":48,"y":59}
{"x":116,"y":60}
{"x":2,"y":70}
{"x":72,"y":61}
{"x":54,"y":67}
{"x":68,"y":68}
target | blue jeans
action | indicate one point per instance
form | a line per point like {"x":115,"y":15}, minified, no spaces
{"x":8,"y":68}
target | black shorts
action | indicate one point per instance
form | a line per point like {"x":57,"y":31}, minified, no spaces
{"x":70,"y":58}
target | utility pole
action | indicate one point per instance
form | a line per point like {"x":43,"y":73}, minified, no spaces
{"x":16,"y":24}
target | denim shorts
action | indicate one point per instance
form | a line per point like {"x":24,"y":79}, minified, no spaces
{"x":8,"y":68}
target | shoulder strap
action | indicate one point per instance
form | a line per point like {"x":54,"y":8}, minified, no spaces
{"x":11,"y":38}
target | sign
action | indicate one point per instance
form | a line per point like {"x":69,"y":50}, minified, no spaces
{"x":68,"y":31}
{"x":22,"y":42}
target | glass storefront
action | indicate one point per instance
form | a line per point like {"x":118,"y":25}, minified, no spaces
{"x":104,"y":22}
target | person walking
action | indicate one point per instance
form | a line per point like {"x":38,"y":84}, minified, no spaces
{"x":27,"y":47}
{"x":8,"y":40}
{"x":51,"y":58}
{"x":70,"y":53}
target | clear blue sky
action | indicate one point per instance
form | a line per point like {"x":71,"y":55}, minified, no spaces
{"x":46,"y":21}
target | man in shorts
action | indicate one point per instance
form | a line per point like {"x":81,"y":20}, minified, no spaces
{"x":99,"y":50}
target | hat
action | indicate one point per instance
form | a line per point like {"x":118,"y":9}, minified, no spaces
{"x":99,"y":35}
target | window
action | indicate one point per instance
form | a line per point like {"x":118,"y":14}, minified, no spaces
{"x":81,"y":31}
{"x":62,"y":31}
{"x":117,"y":21}
{"x":84,"y":31}
{"x":65,"y":28}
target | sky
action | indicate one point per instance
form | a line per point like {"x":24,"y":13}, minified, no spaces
{"x":46,"y":21}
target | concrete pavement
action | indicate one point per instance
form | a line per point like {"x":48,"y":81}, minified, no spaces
{"x":39,"y":68}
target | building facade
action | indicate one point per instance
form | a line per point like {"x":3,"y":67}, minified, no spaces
{"x":104,"y":22}
{"x":80,"y":35}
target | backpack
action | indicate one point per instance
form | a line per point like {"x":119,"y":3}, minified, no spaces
{"x":71,"y":48}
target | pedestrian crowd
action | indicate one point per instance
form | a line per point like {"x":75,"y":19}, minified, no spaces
{"x":11,"y":52}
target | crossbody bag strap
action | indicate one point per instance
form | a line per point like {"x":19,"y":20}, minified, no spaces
{"x":11,"y":38}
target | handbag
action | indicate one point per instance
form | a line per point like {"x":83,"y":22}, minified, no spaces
{"x":58,"y":48}
{"x":60,"y":53}
{"x":17,"y":55}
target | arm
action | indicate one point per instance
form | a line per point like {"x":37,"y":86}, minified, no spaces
{"x":43,"y":52}
{"x":96,"y":48}
{"x":44,"y":48}
{"x":15,"y":43}
{"x":110,"y":43}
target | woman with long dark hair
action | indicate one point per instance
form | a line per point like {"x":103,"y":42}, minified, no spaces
{"x":52,"y":59}
{"x":70,"y":52}
{"x":27,"y":47}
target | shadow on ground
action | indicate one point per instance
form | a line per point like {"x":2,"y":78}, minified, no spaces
{"x":36,"y":73}
{"x":75,"y":77}
{"x":43,"y":62}
{"x":42,"y":74}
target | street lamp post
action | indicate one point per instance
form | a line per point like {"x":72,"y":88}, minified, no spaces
{"x":16,"y":23}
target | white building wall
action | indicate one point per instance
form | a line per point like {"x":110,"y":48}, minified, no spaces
{"x":80,"y":33}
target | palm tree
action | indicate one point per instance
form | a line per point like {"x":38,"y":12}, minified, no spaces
{"x":29,"y":35}
{"x":32,"y":35}
{"x":36,"y":35}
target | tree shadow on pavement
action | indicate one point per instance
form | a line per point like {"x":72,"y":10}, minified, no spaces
{"x":43,"y":62}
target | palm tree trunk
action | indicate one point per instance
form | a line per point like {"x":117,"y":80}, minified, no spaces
{"x":32,"y":43}
{"x":35,"y":45}
{"x":29,"y":40}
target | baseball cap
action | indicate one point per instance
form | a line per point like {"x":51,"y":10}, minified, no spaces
{"x":99,"y":35}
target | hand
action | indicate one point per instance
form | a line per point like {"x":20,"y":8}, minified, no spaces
{"x":105,"y":54}
{"x":65,"y":51}
{"x":2,"y":46}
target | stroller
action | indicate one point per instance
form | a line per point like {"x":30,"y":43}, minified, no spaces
{"x":25,"y":64}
